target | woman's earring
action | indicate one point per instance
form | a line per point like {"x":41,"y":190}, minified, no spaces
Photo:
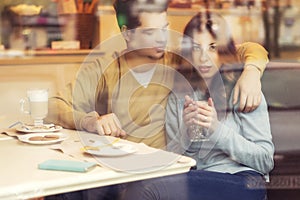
{"x":124,"y":31}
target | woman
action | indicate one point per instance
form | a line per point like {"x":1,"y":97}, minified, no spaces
{"x":235,"y":159}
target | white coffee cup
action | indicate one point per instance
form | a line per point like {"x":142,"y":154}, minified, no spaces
{"x":37,"y":100}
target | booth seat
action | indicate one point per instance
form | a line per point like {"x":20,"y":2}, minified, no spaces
{"x":12,"y":90}
{"x":281,"y":86}
{"x":21,"y":74}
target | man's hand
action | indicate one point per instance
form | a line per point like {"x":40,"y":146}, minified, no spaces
{"x":248,"y":89}
{"x":107,"y":124}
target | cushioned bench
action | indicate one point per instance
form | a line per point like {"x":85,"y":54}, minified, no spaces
{"x":281,"y":86}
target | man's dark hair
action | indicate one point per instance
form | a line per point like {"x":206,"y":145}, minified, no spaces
{"x":127,"y":11}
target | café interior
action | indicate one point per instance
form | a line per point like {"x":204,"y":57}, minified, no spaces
{"x":43,"y":44}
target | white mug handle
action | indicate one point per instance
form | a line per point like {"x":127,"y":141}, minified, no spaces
{"x":22,"y":103}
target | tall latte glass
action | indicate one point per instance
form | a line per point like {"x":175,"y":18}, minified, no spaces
{"x":37,"y":101}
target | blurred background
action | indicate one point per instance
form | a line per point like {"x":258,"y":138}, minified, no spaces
{"x":35,"y":24}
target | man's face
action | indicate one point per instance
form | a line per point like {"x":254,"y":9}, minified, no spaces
{"x":150,"y":39}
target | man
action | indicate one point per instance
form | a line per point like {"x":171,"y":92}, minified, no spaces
{"x":125,"y":95}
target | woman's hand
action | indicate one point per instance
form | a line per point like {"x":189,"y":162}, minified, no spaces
{"x":107,"y":124}
{"x":200,"y":113}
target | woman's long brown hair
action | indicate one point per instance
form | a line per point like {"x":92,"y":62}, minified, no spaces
{"x":230,"y":72}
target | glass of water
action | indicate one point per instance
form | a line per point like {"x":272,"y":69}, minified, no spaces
{"x":198,"y":134}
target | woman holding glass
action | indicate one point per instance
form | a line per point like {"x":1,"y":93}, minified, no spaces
{"x":234,"y":152}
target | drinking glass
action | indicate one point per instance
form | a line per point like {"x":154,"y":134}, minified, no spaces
{"x":37,"y":101}
{"x":199,"y":133}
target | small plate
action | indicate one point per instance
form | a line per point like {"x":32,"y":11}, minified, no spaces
{"x":43,"y":138}
{"x":45,"y":129}
{"x":117,"y":149}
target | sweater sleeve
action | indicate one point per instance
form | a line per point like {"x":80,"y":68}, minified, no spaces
{"x":70,"y":105}
{"x":177,"y":139}
{"x":250,"y":143}
{"x":253,"y":54}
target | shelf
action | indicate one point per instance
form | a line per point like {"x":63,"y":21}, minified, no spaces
{"x":49,"y":57}
{"x":36,"y":21}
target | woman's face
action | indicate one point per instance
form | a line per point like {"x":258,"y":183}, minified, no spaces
{"x":205,"y":55}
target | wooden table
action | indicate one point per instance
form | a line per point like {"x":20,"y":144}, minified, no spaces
{"x":21,"y":178}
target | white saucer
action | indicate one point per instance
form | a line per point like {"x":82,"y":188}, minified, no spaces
{"x":26,"y":138}
{"x":45,"y":129}
{"x":118,"y":149}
